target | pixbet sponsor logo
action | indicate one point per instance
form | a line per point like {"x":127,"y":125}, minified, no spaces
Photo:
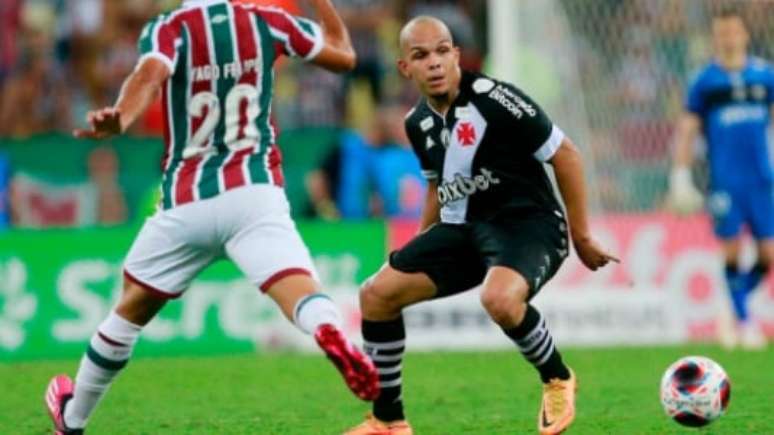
{"x":462,"y":187}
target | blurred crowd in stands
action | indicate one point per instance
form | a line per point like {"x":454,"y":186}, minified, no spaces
{"x":59,"y":58}
{"x":636,"y":60}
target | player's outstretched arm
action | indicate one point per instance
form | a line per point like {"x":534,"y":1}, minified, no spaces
{"x":431,"y":212}
{"x":137,"y":93}
{"x":568,"y":167}
{"x":337,"y":54}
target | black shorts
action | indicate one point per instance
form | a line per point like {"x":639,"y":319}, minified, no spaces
{"x":456,"y":257}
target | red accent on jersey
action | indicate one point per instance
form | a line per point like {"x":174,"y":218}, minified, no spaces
{"x":166,"y":40}
{"x":279,"y":49}
{"x":466,"y":134}
{"x":233,"y":176}
{"x":275,"y":164}
{"x":200,"y":56}
{"x":243,"y":105}
{"x":298,"y":40}
{"x":167,"y":126}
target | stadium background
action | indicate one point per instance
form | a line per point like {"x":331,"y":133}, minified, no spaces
{"x":611,"y":73}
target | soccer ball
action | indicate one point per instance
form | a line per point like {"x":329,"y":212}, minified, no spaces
{"x":695,"y":391}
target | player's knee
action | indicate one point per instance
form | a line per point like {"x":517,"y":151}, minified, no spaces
{"x":137,"y":304}
{"x":505,"y":305}
{"x":378,"y":294}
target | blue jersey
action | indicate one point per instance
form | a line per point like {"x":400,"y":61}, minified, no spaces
{"x":735,"y":108}
{"x":391,"y":171}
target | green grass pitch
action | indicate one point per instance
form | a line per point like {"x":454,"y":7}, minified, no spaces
{"x":445,"y":393}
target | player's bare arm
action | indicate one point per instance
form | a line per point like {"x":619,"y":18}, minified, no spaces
{"x":568,"y":167}
{"x":139,"y":90}
{"x":337,"y":54}
{"x":431,"y":212}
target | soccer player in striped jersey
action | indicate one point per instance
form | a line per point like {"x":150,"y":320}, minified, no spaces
{"x":212,"y":61}
{"x":731,"y":102}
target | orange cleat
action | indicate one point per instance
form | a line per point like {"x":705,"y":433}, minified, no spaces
{"x":557,"y":411}
{"x":374,"y":426}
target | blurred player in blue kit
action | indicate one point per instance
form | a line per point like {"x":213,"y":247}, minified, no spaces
{"x":730,"y":103}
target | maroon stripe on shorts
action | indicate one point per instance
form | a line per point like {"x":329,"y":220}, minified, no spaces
{"x":161,"y":294}
{"x":283,"y":274}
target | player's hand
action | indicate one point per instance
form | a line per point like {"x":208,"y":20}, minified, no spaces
{"x":104,"y":123}
{"x":685,"y":201}
{"x":591,"y":254}
{"x":684,"y":198}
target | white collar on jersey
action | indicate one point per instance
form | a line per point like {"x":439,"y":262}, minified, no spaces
{"x":191,"y":3}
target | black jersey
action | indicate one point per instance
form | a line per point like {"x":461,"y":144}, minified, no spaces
{"x":487,"y":153}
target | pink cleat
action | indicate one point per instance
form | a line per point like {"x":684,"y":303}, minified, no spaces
{"x":359,"y":372}
{"x":59,"y":391}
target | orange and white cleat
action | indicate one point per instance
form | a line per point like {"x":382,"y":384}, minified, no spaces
{"x":356,"y":367}
{"x":374,"y":426}
{"x":557,"y":411}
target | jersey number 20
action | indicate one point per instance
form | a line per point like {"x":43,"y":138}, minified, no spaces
{"x":211,"y":102}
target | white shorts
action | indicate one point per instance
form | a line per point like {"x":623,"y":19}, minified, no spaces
{"x":250,"y":225}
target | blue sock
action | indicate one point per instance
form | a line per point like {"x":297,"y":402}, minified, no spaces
{"x":737,"y":287}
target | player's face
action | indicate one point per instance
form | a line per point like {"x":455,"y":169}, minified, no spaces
{"x":431,"y":60}
{"x":730,"y":35}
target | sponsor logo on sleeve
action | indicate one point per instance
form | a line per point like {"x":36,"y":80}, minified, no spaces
{"x":512,"y":102}
{"x":482,"y":86}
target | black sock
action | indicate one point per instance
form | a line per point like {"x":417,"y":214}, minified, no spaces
{"x":385,"y":343}
{"x":756,"y":275}
{"x":536,"y":344}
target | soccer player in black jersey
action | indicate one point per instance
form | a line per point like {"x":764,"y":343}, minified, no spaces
{"x":491,"y":219}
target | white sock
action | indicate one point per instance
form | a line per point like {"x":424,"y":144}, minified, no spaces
{"x":314,"y":310}
{"x":108,"y":352}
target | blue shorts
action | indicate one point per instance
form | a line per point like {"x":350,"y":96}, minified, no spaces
{"x":732,"y":208}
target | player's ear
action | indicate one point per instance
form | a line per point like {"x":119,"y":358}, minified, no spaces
{"x":457,"y":54}
{"x":403,"y":69}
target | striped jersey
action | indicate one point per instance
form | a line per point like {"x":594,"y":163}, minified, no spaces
{"x":217,"y":101}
